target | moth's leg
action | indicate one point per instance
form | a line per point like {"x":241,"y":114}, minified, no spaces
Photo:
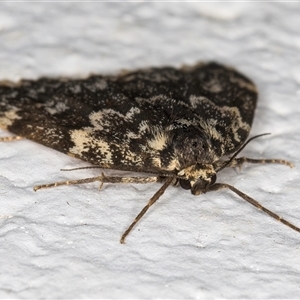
{"x":155,"y":197}
{"x":238,"y":162}
{"x":114,"y":179}
{"x":220,"y":186}
{"x":11,"y":138}
{"x":103,"y":179}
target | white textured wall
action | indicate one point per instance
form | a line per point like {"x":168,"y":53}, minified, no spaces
{"x":64,"y":242}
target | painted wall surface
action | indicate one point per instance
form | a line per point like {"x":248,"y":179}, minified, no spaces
{"x":64,"y":242}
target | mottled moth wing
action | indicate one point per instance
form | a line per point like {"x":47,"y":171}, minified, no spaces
{"x":148,"y":120}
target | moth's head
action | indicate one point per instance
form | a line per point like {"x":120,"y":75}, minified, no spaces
{"x":197,"y":178}
{"x":191,"y":145}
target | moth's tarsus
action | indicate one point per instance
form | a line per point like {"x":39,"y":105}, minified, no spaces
{"x":81,"y":168}
{"x":11,"y":138}
{"x":68,"y":182}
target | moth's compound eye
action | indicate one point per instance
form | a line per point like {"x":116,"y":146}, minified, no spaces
{"x":185,"y":184}
{"x":213,"y":179}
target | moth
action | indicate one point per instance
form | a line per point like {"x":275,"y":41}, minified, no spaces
{"x":181,"y":126}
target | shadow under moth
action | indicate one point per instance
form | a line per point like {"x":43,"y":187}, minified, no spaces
{"x":180,"y":126}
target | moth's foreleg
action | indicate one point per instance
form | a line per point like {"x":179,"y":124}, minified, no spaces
{"x":102,"y":179}
{"x":238,"y":162}
{"x":220,"y":186}
{"x":154,"y":198}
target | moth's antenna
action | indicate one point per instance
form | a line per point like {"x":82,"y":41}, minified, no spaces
{"x":228,"y":162}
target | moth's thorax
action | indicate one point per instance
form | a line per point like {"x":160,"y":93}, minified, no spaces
{"x":191,"y":144}
{"x":192,"y":149}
